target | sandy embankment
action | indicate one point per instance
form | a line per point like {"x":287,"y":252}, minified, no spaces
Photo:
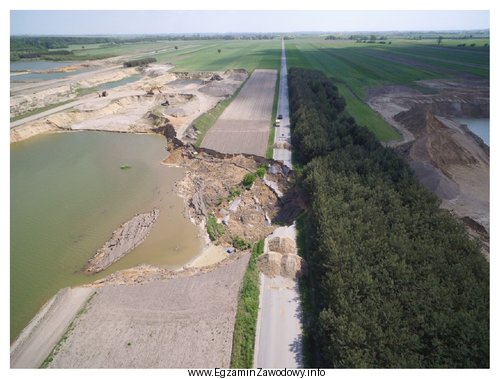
{"x":38,"y":338}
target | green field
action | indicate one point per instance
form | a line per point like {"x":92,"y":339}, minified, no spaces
{"x":359,"y":66}
{"x":199,"y":55}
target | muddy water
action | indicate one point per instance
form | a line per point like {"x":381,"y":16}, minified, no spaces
{"x":479,"y":126}
{"x":68,"y":194}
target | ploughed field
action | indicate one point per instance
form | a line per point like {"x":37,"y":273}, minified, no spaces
{"x":244,"y":126}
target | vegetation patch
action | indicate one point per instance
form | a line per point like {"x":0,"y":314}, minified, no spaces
{"x":394,"y":280}
{"x":240,"y":243}
{"x":214,"y":229}
{"x":139,"y":62}
{"x":248,"y":180}
{"x":246,"y":316}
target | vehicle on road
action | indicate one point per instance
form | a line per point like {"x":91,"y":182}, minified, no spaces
{"x":280,"y":117}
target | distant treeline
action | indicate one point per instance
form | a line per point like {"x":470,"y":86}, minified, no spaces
{"x":394,"y":281}
{"x":139,"y":62}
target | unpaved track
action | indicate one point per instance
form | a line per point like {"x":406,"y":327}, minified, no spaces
{"x":244,"y":125}
{"x":282,"y":134}
{"x":43,"y":332}
{"x":279,"y":341}
{"x":181,"y":322}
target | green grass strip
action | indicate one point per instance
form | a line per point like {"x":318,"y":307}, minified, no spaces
{"x":272,"y":131}
{"x":204,"y":122}
{"x":246,"y":315}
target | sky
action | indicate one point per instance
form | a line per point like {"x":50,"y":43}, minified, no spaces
{"x":71,"y":22}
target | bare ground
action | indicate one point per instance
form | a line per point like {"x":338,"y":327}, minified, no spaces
{"x":243,"y":127}
{"x":44,"y":331}
{"x":126,"y":108}
{"x":180,"y":322}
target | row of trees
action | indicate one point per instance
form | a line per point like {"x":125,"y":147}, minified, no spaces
{"x":394,"y":280}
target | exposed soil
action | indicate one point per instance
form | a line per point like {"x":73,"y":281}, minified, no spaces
{"x":177,"y":99}
{"x":177,"y":322}
{"x":243,"y":127}
{"x":447,"y":158}
{"x":213,"y":186}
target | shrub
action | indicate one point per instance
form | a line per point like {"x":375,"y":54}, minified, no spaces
{"x":248,"y":180}
{"x":214,"y":229}
{"x":261,"y":171}
{"x":240,"y":243}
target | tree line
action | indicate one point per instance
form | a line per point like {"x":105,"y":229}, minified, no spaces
{"x":394,"y":281}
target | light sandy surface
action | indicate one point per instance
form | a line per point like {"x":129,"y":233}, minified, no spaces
{"x":127,"y":108}
{"x":279,"y":329}
{"x":185,"y":321}
{"x":211,"y":254}
{"x":37,"y":340}
{"x":243,"y":127}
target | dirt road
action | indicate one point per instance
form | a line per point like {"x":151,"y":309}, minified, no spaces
{"x":283,"y":131}
{"x":244,"y":126}
{"x":279,"y":341}
{"x":46,"y":329}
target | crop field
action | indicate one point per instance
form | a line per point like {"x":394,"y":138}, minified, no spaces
{"x":244,"y":126}
{"x":359,"y":66}
{"x":209,"y":55}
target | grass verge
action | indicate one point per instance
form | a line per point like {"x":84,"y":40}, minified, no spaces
{"x":204,"y":122}
{"x":246,"y":316}
{"x":272,"y":131}
{"x":38,"y":110}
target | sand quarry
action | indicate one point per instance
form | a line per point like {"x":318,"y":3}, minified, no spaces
{"x":149,"y":317}
{"x":447,"y":158}
{"x":157,"y":98}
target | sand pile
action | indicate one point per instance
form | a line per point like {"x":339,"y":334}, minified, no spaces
{"x":281,"y":259}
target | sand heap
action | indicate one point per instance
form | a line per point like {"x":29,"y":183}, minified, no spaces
{"x":281,"y":259}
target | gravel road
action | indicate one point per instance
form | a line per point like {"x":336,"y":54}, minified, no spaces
{"x":279,"y":330}
{"x":283,"y":131}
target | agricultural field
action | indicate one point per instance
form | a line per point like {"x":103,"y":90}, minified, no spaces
{"x":357,"y":67}
{"x":244,"y":126}
{"x":197,"y":55}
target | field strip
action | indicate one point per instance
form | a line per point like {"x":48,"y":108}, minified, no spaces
{"x":243,"y":127}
